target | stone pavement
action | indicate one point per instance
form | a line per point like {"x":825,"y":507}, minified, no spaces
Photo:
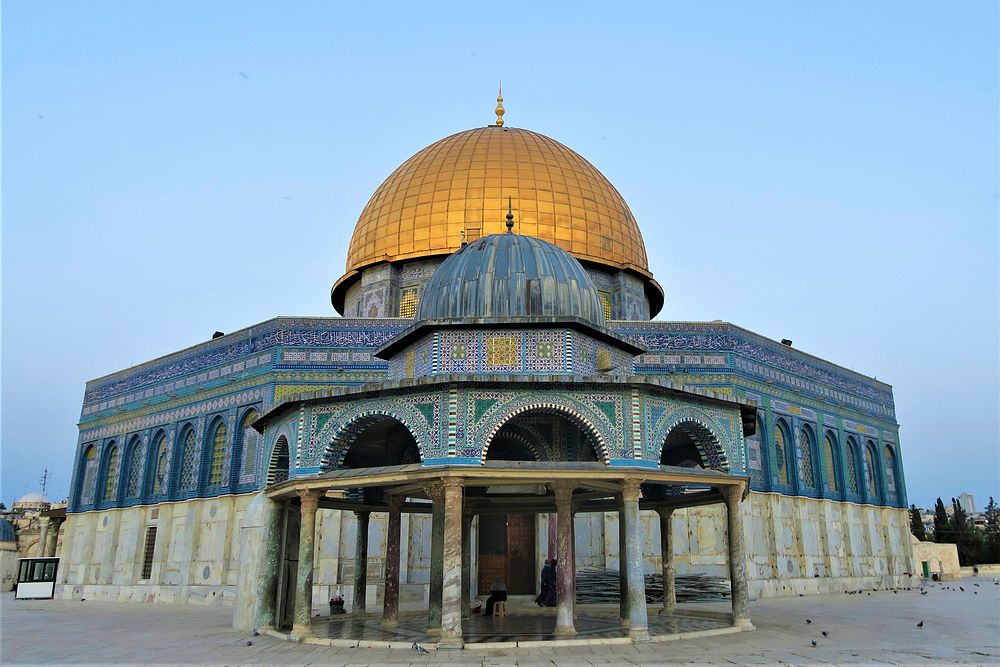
{"x":881,"y":628}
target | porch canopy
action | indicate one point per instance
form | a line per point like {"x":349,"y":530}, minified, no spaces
{"x":457,"y":493}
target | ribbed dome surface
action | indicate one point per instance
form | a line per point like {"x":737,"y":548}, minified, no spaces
{"x":507,"y":276}
{"x":461,"y":183}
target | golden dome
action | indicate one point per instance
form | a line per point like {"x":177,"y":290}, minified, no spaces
{"x":458,"y":188}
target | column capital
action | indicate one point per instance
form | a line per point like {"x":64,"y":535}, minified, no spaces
{"x":435,"y":491}
{"x":563,"y":489}
{"x":630,"y":489}
{"x":363,"y":514}
{"x":732,"y":494}
{"x":309,"y":499}
{"x":665,"y":512}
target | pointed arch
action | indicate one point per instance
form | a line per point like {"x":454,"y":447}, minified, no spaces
{"x":806,"y":460}
{"x":187,"y":471}
{"x":87,"y":488}
{"x":216,"y":455}
{"x":278,"y":466}
{"x":687,"y":434}
{"x":249,"y":441}
{"x":756,"y":459}
{"x":355,"y":429}
{"x":871,"y":472}
{"x":707,"y":433}
{"x":891,"y":475}
{"x":159,"y":464}
{"x":831,"y":462}
{"x":781,"y":443}
{"x":132,"y":474}
{"x":337,"y":436}
{"x":110,"y":478}
{"x":577,"y":417}
{"x":852,"y":475}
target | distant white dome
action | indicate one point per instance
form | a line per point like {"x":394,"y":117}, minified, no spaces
{"x":33,"y":498}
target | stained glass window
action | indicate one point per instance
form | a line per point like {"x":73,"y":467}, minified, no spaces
{"x":111,"y":474}
{"x":829,"y":467}
{"x":780,"y":460}
{"x":87,"y":487}
{"x":852,"y":467}
{"x":409,"y":298}
{"x":189,"y":464}
{"x":134,"y":470}
{"x":218,"y":455}
{"x":890,"y":475}
{"x":806,"y":473}
{"x":871,"y":484}
{"x":250,"y":440}
{"x":161,"y":466}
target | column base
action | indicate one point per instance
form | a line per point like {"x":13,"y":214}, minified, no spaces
{"x":624,"y":622}
{"x":450,"y":644}
{"x":744,"y":624}
{"x":389,"y":622}
{"x":434,"y":631}
{"x":639,"y":635}
{"x":300,"y":632}
{"x":565,"y":630}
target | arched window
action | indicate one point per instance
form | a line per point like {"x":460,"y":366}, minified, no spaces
{"x":134,"y":469}
{"x":278,"y":470}
{"x":871,"y":472}
{"x":188,"y":481}
{"x":891,"y":493}
{"x":218,"y":455}
{"x":89,"y":481}
{"x":830,"y":463}
{"x":160,"y":471}
{"x":780,"y":456}
{"x":110,"y":473}
{"x":852,"y":467}
{"x":806,"y":472}
{"x":251,"y":439}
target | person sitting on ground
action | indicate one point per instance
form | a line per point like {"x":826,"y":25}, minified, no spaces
{"x":498,"y":593}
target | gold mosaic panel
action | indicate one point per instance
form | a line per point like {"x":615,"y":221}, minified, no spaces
{"x":501,"y":351}
{"x":461,"y":184}
{"x":409,"y":298}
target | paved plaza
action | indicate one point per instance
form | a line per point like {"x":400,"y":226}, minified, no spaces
{"x":960,"y":627}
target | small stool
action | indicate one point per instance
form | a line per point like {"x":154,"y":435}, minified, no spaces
{"x":499,"y":609}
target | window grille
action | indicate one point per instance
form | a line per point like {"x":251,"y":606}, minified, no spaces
{"x":806,"y":473}
{"x":828,"y":466}
{"x":218,"y":456}
{"x":134,"y":471}
{"x":147,"y":554}
{"x":89,"y":475}
{"x":409,"y":298}
{"x":111,"y":474}
{"x":852,"y":467}
{"x":605,"y":303}
{"x":189,"y":464}
{"x":161,"y":465}
{"x":781,"y":462}
{"x":890,"y":475}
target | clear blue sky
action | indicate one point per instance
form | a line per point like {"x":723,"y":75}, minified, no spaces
{"x":821,"y":172}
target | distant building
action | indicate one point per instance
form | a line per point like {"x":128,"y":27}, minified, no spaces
{"x":967,"y":501}
{"x":37,"y":532}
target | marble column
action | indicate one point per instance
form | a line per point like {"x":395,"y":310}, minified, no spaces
{"x":737,"y":558}
{"x":622,"y":568}
{"x":361,"y":563}
{"x":436,"y":493}
{"x":302,"y":624}
{"x":451,"y":589}
{"x":638,"y":623}
{"x":564,"y":554}
{"x":390,"y":599}
{"x":667,"y":566}
{"x":54,"y":537}
{"x":466,"y":564}
{"x":43,"y":537}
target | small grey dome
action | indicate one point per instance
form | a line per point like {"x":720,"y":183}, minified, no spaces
{"x":7,"y":532}
{"x":510,"y":276}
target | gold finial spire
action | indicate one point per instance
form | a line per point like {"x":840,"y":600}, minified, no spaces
{"x":500,"y":109}
{"x":510,"y":208}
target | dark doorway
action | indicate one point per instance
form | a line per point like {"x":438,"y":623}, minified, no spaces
{"x":507,"y":550}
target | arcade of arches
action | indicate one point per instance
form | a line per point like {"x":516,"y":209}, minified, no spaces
{"x":376,"y":468}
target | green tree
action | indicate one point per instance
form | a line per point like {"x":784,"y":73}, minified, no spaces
{"x":966,"y":536}
{"x":916,"y":525}
{"x":942,"y":524}
{"x":991,"y":546}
